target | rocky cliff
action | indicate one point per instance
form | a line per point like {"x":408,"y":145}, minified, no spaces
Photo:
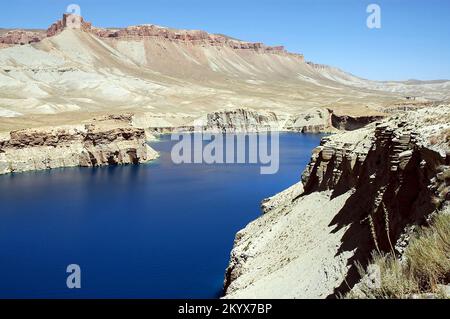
{"x":20,"y":37}
{"x":238,"y":120}
{"x":374,"y":186}
{"x":71,"y":21}
{"x":349,"y":123}
{"x":194,"y":37}
{"x":74,"y":69}
{"x":108,"y":141}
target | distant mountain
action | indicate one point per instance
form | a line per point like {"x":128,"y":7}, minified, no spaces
{"x":74,"y":70}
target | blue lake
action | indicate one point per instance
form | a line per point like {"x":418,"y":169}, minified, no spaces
{"x":157,"y":230}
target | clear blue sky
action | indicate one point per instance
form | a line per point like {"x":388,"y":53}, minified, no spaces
{"x":413,"y":43}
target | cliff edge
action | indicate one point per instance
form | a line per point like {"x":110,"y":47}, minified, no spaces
{"x":364,"y":190}
{"x":105,"y":141}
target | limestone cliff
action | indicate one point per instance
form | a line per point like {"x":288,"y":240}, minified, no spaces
{"x":363,"y":190}
{"x":313,"y":120}
{"x":108,"y":141}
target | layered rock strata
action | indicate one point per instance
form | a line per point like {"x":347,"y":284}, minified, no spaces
{"x":20,"y":37}
{"x":99,"y":143}
{"x":363,"y":190}
{"x":195,"y":37}
{"x":314,"y":120}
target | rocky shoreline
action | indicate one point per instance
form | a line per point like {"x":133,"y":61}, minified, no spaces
{"x":120,"y":139}
{"x":390,"y":173}
{"x":106,"y":141}
{"x":313,"y":120}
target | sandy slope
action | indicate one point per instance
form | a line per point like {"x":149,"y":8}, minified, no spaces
{"x":295,"y":249}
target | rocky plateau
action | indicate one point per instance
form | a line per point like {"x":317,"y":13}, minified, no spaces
{"x":100,"y":142}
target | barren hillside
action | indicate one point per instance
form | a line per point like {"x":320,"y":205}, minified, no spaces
{"x":170,"y":77}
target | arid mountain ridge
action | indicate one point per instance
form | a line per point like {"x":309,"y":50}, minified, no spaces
{"x":169,"y":78}
{"x":21,"y":37}
{"x":375,"y":187}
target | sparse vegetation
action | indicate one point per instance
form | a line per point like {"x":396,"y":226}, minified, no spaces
{"x":426,"y":265}
{"x":428,"y":255}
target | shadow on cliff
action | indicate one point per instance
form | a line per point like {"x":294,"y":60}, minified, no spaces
{"x":382,"y":204}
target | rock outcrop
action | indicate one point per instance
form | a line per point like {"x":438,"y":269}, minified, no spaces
{"x":20,"y":37}
{"x":195,"y":37}
{"x":108,"y":141}
{"x":241,"y":120}
{"x":314,"y":120}
{"x":364,"y":190}
{"x":350,"y":123}
{"x":71,"y":21}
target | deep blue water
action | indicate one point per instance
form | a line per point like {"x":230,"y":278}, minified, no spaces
{"x":157,"y":230}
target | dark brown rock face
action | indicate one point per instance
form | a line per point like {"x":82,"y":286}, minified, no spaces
{"x":395,"y":183}
{"x":350,"y":123}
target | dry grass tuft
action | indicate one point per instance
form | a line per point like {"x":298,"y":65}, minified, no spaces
{"x":428,"y":255}
{"x":426,"y":265}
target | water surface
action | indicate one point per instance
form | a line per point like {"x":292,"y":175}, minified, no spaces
{"x":157,"y":230}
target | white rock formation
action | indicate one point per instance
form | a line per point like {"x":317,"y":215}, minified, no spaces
{"x":310,"y":236}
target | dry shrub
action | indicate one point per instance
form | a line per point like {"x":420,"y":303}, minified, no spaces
{"x":428,"y":255}
{"x":426,"y":264}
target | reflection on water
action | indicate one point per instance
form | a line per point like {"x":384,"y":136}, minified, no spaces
{"x":150,"y":231}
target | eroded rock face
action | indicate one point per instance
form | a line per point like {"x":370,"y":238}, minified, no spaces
{"x":71,"y":21}
{"x":243,"y":120}
{"x":194,"y":37}
{"x":350,"y":123}
{"x":315,"y":120}
{"x":102,"y":142}
{"x":394,"y":171}
{"x":20,"y":37}
{"x":363,"y":190}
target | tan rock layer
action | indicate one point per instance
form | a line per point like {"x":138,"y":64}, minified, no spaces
{"x":83,"y":145}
